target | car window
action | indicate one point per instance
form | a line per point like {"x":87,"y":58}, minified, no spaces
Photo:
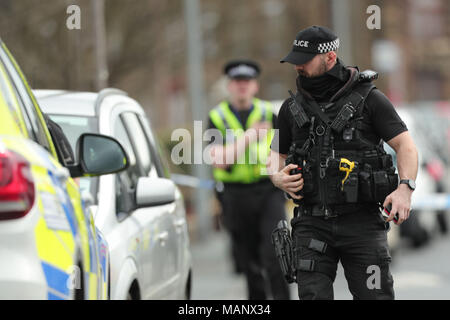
{"x":139,"y":141}
{"x":121,"y":134}
{"x":126,"y":181}
{"x":158,"y":155}
{"x":29,"y":110}
{"x":74,"y":127}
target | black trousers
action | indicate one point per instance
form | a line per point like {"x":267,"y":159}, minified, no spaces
{"x":250,"y":214}
{"x":358,"y":240}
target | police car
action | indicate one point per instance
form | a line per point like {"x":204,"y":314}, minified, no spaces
{"x":49,"y":246}
{"x":140,"y":211}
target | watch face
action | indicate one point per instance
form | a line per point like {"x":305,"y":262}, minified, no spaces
{"x":411,"y":183}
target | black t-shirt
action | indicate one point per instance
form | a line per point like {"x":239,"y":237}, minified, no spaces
{"x":378,"y":113}
{"x":242,"y":116}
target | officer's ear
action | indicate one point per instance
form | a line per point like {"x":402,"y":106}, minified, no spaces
{"x":331,"y":57}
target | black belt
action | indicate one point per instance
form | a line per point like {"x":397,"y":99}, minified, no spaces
{"x":332,"y":211}
{"x":315,"y":211}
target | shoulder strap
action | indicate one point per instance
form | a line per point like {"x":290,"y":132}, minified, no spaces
{"x":364,"y":90}
{"x":350,"y":105}
{"x":352,"y":100}
{"x":355,"y":100}
{"x":357,"y":95}
{"x":313,"y":107}
{"x":299,"y":115}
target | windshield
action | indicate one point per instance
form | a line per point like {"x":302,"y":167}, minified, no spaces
{"x":74,"y":127}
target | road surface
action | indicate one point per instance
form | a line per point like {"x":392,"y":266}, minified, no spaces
{"x":419,"y":274}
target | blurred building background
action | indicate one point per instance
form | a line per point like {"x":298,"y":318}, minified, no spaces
{"x":146,"y":46}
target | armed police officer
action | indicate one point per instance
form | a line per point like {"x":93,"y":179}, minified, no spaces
{"x":251,"y":204}
{"x":331,"y":162}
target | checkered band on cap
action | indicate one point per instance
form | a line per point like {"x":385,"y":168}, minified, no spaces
{"x":328,"y":46}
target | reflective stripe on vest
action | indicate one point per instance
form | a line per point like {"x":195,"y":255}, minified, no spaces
{"x":251,"y":166}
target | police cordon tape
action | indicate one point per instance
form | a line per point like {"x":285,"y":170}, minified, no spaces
{"x":193,"y":182}
{"x":432,"y":201}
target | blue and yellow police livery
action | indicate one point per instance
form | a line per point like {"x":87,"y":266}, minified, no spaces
{"x":49,"y":246}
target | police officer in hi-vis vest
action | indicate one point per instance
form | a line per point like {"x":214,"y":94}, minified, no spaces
{"x":334,"y":166}
{"x":252,"y":206}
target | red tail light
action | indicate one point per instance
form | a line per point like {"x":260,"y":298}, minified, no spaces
{"x":16,"y":186}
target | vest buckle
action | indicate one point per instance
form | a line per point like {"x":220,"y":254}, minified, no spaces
{"x":323,"y":167}
{"x":320,"y":130}
{"x":328,"y":213}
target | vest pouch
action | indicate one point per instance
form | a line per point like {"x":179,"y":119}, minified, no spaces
{"x":386,"y":161}
{"x":393,"y":181}
{"x":373,"y":162}
{"x":309,"y":187}
{"x":378,"y":162}
{"x":365,"y":186}
{"x":334,"y":193}
{"x":381,"y":185}
{"x":351,"y":188}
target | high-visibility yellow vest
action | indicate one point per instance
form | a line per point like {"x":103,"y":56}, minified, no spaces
{"x":251,"y":166}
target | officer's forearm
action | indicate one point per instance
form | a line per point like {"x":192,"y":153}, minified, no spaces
{"x":407,"y":156}
{"x":407,"y":161}
{"x":224,"y":156}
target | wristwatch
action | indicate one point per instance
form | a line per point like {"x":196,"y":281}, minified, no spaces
{"x":411,"y":183}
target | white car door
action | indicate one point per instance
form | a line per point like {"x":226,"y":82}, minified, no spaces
{"x":159,"y":250}
{"x":177,"y":212}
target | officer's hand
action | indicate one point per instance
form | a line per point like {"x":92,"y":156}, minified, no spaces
{"x":261,"y":129}
{"x":289,"y":183}
{"x":401,"y":203}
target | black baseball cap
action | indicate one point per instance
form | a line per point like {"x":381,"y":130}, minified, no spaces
{"x":309,"y":42}
{"x":242,"y":69}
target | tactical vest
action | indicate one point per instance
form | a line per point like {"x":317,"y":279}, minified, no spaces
{"x":251,"y":166}
{"x":339,"y":162}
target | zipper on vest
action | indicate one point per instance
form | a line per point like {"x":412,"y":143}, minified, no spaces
{"x":322,"y":178}
{"x":323,"y":165}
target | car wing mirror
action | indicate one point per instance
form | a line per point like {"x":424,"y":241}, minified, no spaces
{"x":98,"y":155}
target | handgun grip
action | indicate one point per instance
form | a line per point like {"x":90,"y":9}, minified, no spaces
{"x":297,"y":171}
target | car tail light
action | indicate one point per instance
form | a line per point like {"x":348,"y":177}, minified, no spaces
{"x":16,"y":186}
